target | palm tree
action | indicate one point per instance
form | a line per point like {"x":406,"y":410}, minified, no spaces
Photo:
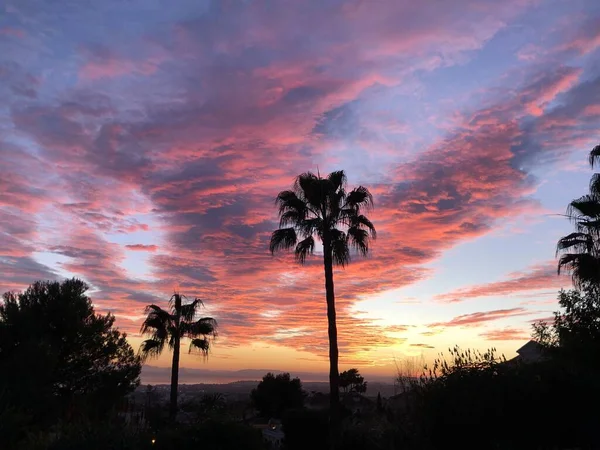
{"x":321,"y":207}
{"x":170,"y":327}
{"x":580,"y":250}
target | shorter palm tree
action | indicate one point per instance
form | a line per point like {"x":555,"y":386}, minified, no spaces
{"x":169,"y":327}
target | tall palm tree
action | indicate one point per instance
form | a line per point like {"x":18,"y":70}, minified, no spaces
{"x":170,"y":327}
{"x":321,"y":207}
{"x":580,"y":250}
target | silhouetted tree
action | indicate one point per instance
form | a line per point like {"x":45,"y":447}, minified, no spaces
{"x":351,"y":380}
{"x":276,"y":394}
{"x":580,"y":251}
{"x":321,"y":207}
{"x":169,"y":327}
{"x":575,"y":332}
{"x":56,"y":352}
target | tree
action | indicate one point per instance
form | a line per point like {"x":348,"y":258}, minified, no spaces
{"x":170,"y":327}
{"x":379,"y":403}
{"x":351,"y":380}
{"x":276,"y":394}
{"x":580,"y":250}
{"x":575,"y":331}
{"x":56,"y":352}
{"x":321,"y":207}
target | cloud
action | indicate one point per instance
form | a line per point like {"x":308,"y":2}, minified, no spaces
{"x":427,"y":346}
{"x":184,"y":125}
{"x":104,"y":63}
{"x":535,"y":278}
{"x":476,"y":319}
{"x":506,"y":334}
{"x":142,"y":247}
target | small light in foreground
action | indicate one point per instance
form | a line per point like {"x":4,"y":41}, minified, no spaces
{"x":153,"y":441}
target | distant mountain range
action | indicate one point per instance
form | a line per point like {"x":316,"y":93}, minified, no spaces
{"x":241,"y":381}
{"x":241,"y":389}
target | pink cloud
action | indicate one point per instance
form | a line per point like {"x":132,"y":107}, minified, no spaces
{"x":535,"y":278}
{"x":11,"y":31}
{"x":506,"y":334}
{"x":224,"y":113}
{"x":478,"y":318}
{"x":142,"y":247}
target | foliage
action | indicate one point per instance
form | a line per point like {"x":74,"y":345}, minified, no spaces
{"x":352,"y":381}
{"x":318,"y":207}
{"x":154,"y":411}
{"x":208,"y":406}
{"x":321,"y":207}
{"x":277,"y":393}
{"x":57,"y":356}
{"x":580,"y":250}
{"x":407,"y":371}
{"x":503,"y":404}
{"x":169,"y":327}
{"x":574,"y":334}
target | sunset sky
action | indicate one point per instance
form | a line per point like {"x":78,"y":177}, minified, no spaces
{"x":142,"y":144}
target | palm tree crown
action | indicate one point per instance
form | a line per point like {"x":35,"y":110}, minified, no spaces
{"x":321,"y":207}
{"x":580,"y":250}
{"x":180,"y":321}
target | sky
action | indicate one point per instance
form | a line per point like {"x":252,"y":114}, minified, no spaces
{"x":143,"y":142}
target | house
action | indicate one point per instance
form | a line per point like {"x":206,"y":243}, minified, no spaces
{"x":530,"y":352}
{"x":273,"y":434}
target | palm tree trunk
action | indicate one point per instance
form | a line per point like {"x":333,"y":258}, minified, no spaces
{"x":175,"y":364}
{"x":174,"y":382}
{"x":334,"y":374}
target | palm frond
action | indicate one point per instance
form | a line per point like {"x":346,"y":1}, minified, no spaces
{"x":359,"y":197}
{"x":594,"y":157}
{"x":584,"y":268}
{"x":291,"y":217}
{"x":205,"y":326}
{"x":337,"y":179}
{"x":591,"y":227}
{"x":595,"y":185}
{"x":288,"y":201}
{"x":188,"y":311}
{"x":310,"y":188}
{"x":151,"y":348}
{"x":578,"y":242}
{"x":308,"y":227}
{"x":157,"y":321}
{"x":175,"y":301}
{"x":283,"y":239}
{"x":200,"y":344}
{"x":359,"y":239}
{"x":585,"y":206}
{"x":363,"y":222}
{"x":339,"y":247}
{"x":304,"y":248}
